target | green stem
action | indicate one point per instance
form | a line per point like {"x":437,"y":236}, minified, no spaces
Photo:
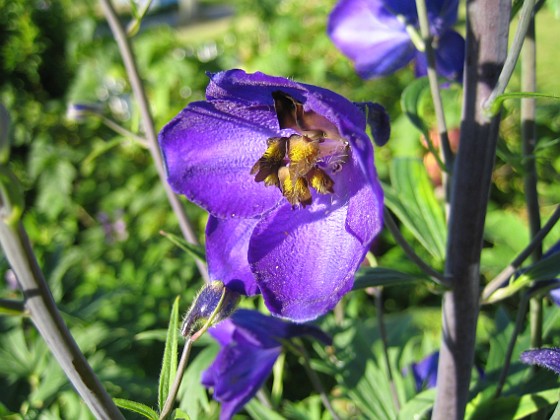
{"x":170,"y":402}
{"x":148,"y":123}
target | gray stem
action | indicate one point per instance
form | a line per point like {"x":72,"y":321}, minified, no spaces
{"x":486,"y":49}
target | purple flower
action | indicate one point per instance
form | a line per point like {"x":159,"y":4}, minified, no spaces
{"x":548,"y":358}
{"x":250,"y":344}
{"x":286,"y":172}
{"x":425,"y":371}
{"x":376,"y":36}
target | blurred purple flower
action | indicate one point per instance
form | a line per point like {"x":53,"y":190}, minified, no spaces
{"x":425,"y":371}
{"x":286,"y":171}
{"x":376,"y":36}
{"x":250,"y":344}
{"x":114,"y":227}
{"x":545,"y":357}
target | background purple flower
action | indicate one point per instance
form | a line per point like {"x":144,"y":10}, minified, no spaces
{"x":250,"y":344}
{"x":301,"y":255}
{"x":374,"y":35}
{"x":548,"y":358}
{"x":425,"y":371}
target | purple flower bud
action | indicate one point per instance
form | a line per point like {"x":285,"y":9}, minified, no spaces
{"x":213,"y":300}
{"x":545,"y":357}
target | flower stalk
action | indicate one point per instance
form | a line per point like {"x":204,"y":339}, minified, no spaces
{"x":486,"y":49}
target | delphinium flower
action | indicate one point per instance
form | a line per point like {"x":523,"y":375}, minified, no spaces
{"x":250,"y":344}
{"x":545,"y":357}
{"x":381,"y":36}
{"x":425,"y":371}
{"x":286,"y":171}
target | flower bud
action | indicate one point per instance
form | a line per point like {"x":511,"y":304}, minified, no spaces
{"x":79,"y":112}
{"x":213,"y":304}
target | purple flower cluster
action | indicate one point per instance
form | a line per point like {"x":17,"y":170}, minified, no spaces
{"x":286,"y":172}
{"x":376,"y":36}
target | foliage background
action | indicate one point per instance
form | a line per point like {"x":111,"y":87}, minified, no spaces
{"x":94,"y":205}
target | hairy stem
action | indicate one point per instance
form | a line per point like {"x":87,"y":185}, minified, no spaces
{"x":148,"y":124}
{"x":486,"y":49}
{"x":42,"y":310}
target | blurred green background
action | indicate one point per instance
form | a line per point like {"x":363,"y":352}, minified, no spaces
{"x":94,"y":205}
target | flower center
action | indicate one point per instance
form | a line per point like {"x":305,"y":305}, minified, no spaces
{"x":302,"y":161}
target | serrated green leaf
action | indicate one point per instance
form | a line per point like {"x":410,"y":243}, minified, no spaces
{"x":411,"y":197}
{"x":136,"y":407}
{"x":419,"y":406}
{"x":196,"y":251}
{"x":379,"y":276}
{"x":169,"y":364}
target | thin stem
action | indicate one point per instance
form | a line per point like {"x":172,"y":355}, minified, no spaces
{"x":119,"y":129}
{"x":434,"y":85}
{"x":529,"y":141}
{"x":147,"y":121}
{"x":383,"y":334}
{"x":507,"y":272}
{"x":521,"y":311}
{"x":42,"y":310}
{"x":170,"y":401}
{"x":316,"y":381}
{"x":409,"y":251}
{"x":513,"y":54}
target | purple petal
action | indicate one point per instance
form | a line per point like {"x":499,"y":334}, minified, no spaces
{"x":425,"y":371}
{"x":548,"y":358}
{"x":450,"y":56}
{"x":236,"y":375}
{"x":555,"y":296}
{"x":227,"y":243}
{"x":209,"y":149}
{"x":372,"y":37}
{"x":442,"y":14}
{"x":377,"y":120}
{"x":305,"y":259}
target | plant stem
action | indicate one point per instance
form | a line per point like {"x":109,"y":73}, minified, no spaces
{"x":521,"y":312}
{"x":486,"y":49}
{"x":316,"y":381}
{"x":529,"y":141}
{"x":507,"y":272}
{"x":434,"y":88}
{"x":172,"y":396}
{"x":13,"y":306}
{"x":43,"y":312}
{"x":409,"y":251}
{"x":149,"y":129}
{"x":509,"y":65}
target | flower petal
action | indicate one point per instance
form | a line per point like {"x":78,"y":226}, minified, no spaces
{"x":545,"y":357}
{"x":227,"y":243}
{"x":209,"y":149}
{"x":371,"y":36}
{"x":450,"y":56}
{"x":237,"y":373}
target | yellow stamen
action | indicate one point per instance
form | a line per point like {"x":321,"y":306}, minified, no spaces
{"x":295,"y":192}
{"x":303,"y":154}
{"x":319,"y":180}
{"x":266,"y":168}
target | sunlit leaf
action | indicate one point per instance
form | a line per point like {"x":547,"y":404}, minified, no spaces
{"x":136,"y":407}
{"x":169,"y":364}
{"x":379,"y":276}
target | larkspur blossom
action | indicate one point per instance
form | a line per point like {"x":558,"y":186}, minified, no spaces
{"x":286,"y":171}
{"x":250,"y":344}
{"x":545,"y":357}
{"x":376,"y":36}
{"x":425,"y":371}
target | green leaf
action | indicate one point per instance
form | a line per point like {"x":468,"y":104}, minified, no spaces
{"x":512,"y":407}
{"x":196,"y":251}
{"x":259,"y":411}
{"x":169,"y":364}
{"x":411,"y":197}
{"x":378,"y":276}
{"x":136,"y":407}
{"x":419,"y":406}
{"x":544,"y":270}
